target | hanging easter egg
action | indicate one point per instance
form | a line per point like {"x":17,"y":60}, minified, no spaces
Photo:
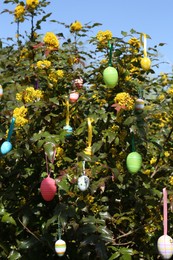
{"x":165,"y":246}
{"x":139,"y":104}
{"x":1,"y":91}
{"x":145,"y":63}
{"x":68,"y":129}
{"x":48,"y":188}
{"x":60,"y":247}
{"x":6,"y":147}
{"x":134,"y":162}
{"x":83,"y":182}
{"x":110,"y":77}
{"x":74,"y":96}
{"x":78,"y":83}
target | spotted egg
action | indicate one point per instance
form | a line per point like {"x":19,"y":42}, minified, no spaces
{"x":83,"y":182}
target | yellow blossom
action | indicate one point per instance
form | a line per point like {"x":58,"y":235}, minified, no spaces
{"x":43,"y":64}
{"x":54,"y":75}
{"x":134,"y":42}
{"x":166,"y":154}
{"x":29,"y":95}
{"x":124,"y":99}
{"x":20,"y":113}
{"x":161,"y":97}
{"x":104,"y":36}
{"x":171,"y":180}
{"x":153,"y":160}
{"x":170,"y":90}
{"x":32,"y":3}
{"x":19,"y":13}
{"x":51,"y":41}
{"x":76,"y":26}
{"x":147,"y":172}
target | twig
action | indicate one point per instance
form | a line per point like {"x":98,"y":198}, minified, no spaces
{"x":28,"y":230}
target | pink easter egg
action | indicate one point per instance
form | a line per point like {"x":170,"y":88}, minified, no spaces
{"x":48,"y":188}
{"x":78,"y":83}
{"x":74,"y":96}
{"x":165,"y":246}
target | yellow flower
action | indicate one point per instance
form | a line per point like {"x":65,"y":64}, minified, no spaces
{"x":171,"y":180}
{"x":134,"y":42}
{"x":104,"y":36}
{"x":19,"y":12}
{"x":51,"y":41}
{"x":20,"y":113}
{"x":124,"y":99}
{"x":147,"y":172}
{"x":29,"y":95}
{"x":153,"y":160}
{"x":43,"y":64}
{"x":60,"y":73}
{"x":170,"y":90}
{"x":166,"y":154}
{"x":32,"y":3}
{"x":55,"y":74}
{"x":76,"y":26}
{"x":161,"y":97}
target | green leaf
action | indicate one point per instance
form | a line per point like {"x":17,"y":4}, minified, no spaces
{"x":7,"y":218}
{"x":14,"y":255}
{"x":114,"y":256}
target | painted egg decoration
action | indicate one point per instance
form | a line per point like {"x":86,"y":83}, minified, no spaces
{"x":6,"y":147}
{"x":68,"y":129}
{"x":48,"y":188}
{"x":78,"y":83}
{"x":165,"y":246}
{"x":1,"y":91}
{"x":83,"y":183}
{"x":110,"y":77}
{"x":74,"y":96}
{"x":60,"y":247}
{"x":139,"y":104}
{"x":134,"y":162}
{"x":145,"y":63}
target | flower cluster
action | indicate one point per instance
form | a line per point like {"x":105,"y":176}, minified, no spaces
{"x":29,"y":95}
{"x":51,"y":41}
{"x":134,"y":42}
{"x":124,"y":99}
{"x":76,"y":26}
{"x":43,"y":64}
{"x":19,"y":13}
{"x":32,"y":3}
{"x":104,"y":36}
{"x":170,"y":91}
{"x":20,"y":114}
{"x":55,"y":75}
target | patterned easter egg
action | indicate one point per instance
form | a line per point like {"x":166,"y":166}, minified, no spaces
{"x":68,"y":129}
{"x":165,"y":246}
{"x":145,"y":63}
{"x":139,"y":104}
{"x":74,"y":96}
{"x":83,"y":183}
{"x":1,"y":91}
{"x":60,"y":247}
{"x":134,"y":162}
{"x":78,"y":83}
{"x":110,"y":77}
{"x":48,"y":188}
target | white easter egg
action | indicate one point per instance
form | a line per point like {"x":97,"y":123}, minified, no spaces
{"x":60,"y":247}
{"x":83,"y":183}
{"x":139,"y":104}
{"x":165,"y":246}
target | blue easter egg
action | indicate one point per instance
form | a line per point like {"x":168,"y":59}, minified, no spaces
{"x":68,"y":130}
{"x":6,"y":147}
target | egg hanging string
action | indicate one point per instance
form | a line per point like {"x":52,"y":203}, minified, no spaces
{"x":83,"y":168}
{"x":144,"y":43}
{"x":59,"y":228}
{"x":133,"y":142}
{"x":88,"y":150}
{"x":110,"y":45}
{"x":47,"y":164}
{"x":165,"y":210}
{"x":67,"y":113}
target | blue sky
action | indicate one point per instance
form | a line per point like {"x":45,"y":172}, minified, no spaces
{"x":152,"y":17}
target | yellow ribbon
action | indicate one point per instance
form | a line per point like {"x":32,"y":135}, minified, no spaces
{"x":144,"y":43}
{"x":67,"y":113}
{"x":88,"y":150}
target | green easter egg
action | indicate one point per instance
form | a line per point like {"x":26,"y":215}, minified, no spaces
{"x":134,"y":162}
{"x":110,"y":77}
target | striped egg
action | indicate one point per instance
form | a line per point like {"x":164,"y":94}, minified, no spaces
{"x":139,"y":104}
{"x":60,"y":247}
{"x":68,"y":129}
{"x":48,"y":188}
{"x":110,"y":77}
{"x":134,"y":162}
{"x":165,"y":246}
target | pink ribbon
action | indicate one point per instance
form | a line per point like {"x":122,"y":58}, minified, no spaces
{"x":165,"y":209}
